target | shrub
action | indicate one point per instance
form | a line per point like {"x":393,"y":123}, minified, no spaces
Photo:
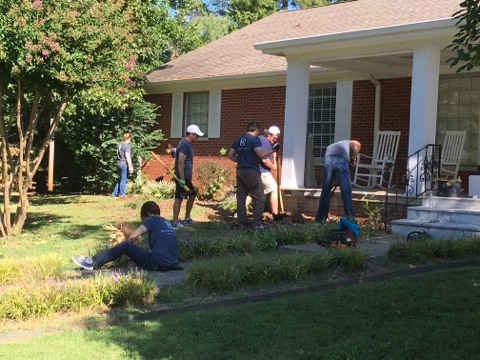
{"x":160,"y":190}
{"x":229,"y":200}
{"x":422,"y":251}
{"x":34,"y":268}
{"x":231,"y":272}
{"x":212,"y":178}
{"x":26,"y":300}
{"x":206,"y":248}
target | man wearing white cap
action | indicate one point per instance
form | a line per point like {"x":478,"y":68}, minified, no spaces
{"x":184,"y":170}
{"x":267,"y":164}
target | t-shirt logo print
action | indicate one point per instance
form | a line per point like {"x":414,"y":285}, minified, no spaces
{"x":243,"y":142}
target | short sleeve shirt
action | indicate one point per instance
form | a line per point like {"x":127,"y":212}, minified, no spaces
{"x":162,"y":240}
{"x":341,"y":148}
{"x":185,"y":147}
{"x":123,"y":148}
{"x":246,"y":156}
{"x":265,"y":146}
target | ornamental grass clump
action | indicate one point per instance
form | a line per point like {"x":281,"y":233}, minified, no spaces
{"x":425,"y":250}
{"x":25,"y":300}
{"x":230,"y":273}
{"x":33,"y":268}
{"x":213,"y":247}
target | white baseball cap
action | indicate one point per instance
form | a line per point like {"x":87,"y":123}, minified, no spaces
{"x":194,"y":129}
{"x":274,"y":130}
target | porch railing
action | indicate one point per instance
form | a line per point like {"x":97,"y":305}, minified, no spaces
{"x":413,"y":176}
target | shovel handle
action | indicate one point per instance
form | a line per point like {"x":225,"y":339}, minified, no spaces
{"x":170,"y":171}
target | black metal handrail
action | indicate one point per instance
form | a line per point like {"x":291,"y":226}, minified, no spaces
{"x":413,"y":175}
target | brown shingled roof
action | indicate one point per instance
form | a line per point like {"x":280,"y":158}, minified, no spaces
{"x":234,"y":53}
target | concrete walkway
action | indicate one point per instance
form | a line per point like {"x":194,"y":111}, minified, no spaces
{"x":376,"y":247}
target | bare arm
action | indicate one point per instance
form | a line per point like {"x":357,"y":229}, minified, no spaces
{"x":355,"y":147}
{"x":262,"y":153}
{"x":128,"y":159}
{"x":232,"y":155}
{"x":268,"y":163}
{"x":181,"y":165}
{"x":134,"y":236}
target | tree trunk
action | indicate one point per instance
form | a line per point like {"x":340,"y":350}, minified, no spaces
{"x":19,"y":169}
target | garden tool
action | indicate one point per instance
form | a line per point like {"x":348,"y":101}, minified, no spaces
{"x":170,"y":171}
{"x":343,"y":237}
{"x":279,"y":193}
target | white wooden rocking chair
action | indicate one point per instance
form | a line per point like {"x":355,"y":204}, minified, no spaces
{"x":452,"y":150}
{"x":370,"y":170}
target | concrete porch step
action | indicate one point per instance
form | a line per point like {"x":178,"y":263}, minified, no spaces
{"x":444,"y":214}
{"x":442,"y":203}
{"x":438,"y":229}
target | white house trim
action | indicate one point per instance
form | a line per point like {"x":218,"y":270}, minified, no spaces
{"x":295,"y":125}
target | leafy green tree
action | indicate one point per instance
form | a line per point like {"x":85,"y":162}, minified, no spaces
{"x":92,"y":163}
{"x":467,"y":40}
{"x":53,"y":53}
{"x":244,"y":12}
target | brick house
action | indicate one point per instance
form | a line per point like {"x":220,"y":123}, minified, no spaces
{"x":334,"y":72}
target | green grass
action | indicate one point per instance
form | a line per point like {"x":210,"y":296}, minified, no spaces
{"x":429,"y":316}
{"x":66,"y":224}
{"x":432,"y":316}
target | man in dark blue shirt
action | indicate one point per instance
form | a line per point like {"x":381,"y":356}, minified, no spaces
{"x":162,"y":241}
{"x":184,"y":170}
{"x":246,"y":151}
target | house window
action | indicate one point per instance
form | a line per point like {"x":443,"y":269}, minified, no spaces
{"x":321,"y":117}
{"x":459,"y":109}
{"x":197,"y":107}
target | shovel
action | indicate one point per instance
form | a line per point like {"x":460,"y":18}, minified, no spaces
{"x":279,"y":193}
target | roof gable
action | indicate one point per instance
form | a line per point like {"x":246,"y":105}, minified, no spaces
{"x":234,"y":54}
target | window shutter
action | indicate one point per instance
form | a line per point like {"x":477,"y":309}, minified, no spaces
{"x":177,"y":115}
{"x":214,"y":113}
{"x":343,"y":111}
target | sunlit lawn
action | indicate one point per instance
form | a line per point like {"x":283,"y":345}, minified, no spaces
{"x":431,"y":316}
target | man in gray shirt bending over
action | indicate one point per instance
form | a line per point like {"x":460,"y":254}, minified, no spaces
{"x":336,"y":163}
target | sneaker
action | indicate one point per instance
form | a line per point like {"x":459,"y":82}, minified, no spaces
{"x":188,"y":221}
{"x":178,"y":225}
{"x":258,"y":227}
{"x":84,"y":262}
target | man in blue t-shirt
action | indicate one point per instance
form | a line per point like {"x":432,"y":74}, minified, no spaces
{"x":184,"y":170}
{"x":162,"y":241}
{"x":246,"y":151}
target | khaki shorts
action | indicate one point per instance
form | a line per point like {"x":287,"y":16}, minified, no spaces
{"x":269,"y":183}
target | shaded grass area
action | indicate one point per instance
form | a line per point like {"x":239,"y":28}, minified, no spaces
{"x":429,"y":316}
{"x":64,"y":224}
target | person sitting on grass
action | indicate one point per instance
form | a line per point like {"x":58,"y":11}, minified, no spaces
{"x":161,"y":239}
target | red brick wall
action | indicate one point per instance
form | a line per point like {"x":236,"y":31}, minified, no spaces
{"x":394,"y":112}
{"x":264,"y":105}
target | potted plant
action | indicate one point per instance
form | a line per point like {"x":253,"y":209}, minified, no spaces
{"x":447,"y":186}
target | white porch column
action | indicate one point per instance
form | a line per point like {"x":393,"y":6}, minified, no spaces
{"x":295,"y":128}
{"x":423,"y":108}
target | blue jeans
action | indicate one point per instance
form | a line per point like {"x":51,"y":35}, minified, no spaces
{"x":121,"y":184}
{"x":335,"y":167}
{"x":140,"y":256}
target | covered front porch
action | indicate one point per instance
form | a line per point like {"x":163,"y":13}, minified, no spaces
{"x":414,"y":51}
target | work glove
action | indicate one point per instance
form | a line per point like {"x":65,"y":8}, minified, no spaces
{"x":276,"y":147}
{"x":181,"y":182}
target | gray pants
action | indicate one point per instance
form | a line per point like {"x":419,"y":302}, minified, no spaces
{"x":249,"y":182}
